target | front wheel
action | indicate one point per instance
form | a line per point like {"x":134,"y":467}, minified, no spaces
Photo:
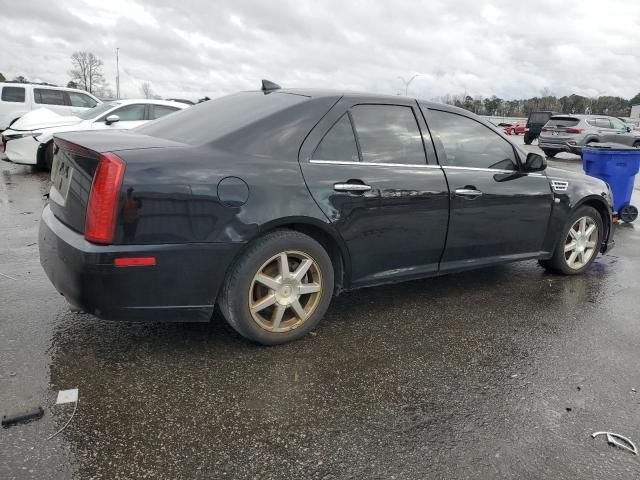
{"x":579,"y":243}
{"x":550,"y":153}
{"x":279,"y":289}
{"x":45,"y":161}
{"x":527,"y":139}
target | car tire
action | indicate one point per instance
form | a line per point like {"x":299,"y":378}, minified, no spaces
{"x":550,"y":153}
{"x":265,"y":305}
{"x":637,"y":144}
{"x":527,"y":139}
{"x":45,"y":162}
{"x":570,"y":261}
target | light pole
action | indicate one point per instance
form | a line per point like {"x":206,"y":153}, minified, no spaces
{"x":408,"y":82}
{"x":117,"y":75}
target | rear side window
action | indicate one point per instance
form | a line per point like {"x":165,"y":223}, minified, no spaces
{"x":388,"y":134}
{"x":602,"y":123}
{"x":539,"y":117}
{"x":468,"y":143}
{"x":212,"y":120}
{"x":157,"y":111}
{"x":562,"y":122}
{"x":13,"y":94}
{"x":339,"y":143}
{"x":81,"y":100}
{"x":46,"y":96}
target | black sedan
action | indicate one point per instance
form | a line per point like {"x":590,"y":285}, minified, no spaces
{"x":269,"y":203}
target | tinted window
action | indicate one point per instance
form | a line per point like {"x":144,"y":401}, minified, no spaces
{"x":388,"y":134}
{"x":81,"y":100}
{"x":211,"y":120}
{"x":468,"y":143}
{"x":129,"y":113}
{"x":13,"y":94}
{"x":603,"y":123}
{"x":562,"y":122}
{"x":539,"y":117}
{"x":339,"y":143}
{"x":157,"y":111}
{"x":47,"y":96}
{"x":618,"y":124}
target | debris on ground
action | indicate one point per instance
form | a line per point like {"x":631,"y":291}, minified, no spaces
{"x":35,"y":413}
{"x":619,"y":441}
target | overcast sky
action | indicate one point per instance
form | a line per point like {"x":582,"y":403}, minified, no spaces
{"x":191,"y":48}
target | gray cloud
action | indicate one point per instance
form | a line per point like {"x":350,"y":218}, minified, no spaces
{"x":193,"y":48}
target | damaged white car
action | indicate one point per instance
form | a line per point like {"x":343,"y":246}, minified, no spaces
{"x":29,"y":141}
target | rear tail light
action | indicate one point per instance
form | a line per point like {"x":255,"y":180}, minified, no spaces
{"x":102,"y":210}
{"x":574,"y":130}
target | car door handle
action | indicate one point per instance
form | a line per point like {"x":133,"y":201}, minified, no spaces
{"x":351,"y":187}
{"x":468,"y":193}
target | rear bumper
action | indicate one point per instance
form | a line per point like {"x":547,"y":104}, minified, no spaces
{"x":181,"y":287}
{"x":558,"y":146}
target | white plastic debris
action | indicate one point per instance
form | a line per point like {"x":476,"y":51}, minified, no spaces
{"x":67,"y":396}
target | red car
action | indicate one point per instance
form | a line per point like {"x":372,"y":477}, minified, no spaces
{"x":516,"y":129}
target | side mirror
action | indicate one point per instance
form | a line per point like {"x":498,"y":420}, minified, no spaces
{"x":112,"y":119}
{"x":628,"y":129}
{"x":535,"y":163}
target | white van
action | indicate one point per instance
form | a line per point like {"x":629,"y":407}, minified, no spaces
{"x":16,"y":99}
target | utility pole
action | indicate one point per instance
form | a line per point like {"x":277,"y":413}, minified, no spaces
{"x":117,"y":75}
{"x":408,"y":82}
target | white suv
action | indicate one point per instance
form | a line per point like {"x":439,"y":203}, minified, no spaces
{"x":16,"y":99}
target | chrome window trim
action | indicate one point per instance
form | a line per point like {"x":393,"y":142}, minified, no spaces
{"x":371,"y":164}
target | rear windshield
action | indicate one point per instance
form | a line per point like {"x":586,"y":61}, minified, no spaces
{"x":213,"y":119}
{"x":562,"y":122}
{"x":539,"y":117}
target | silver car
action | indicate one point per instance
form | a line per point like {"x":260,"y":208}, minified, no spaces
{"x":570,"y":133}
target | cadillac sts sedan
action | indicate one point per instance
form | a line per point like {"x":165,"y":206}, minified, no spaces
{"x":266,"y":204}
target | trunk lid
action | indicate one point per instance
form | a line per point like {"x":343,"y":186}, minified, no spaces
{"x":75,"y":161}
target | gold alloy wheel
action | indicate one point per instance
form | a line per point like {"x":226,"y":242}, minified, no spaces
{"x":285,"y":291}
{"x":581,"y":242}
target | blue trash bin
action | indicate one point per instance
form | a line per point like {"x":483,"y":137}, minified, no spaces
{"x":617,"y":165}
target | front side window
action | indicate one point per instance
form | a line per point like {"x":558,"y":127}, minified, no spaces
{"x":81,"y":100}
{"x":618,"y":124}
{"x":157,"y":111}
{"x":339,"y":143}
{"x":129,"y":113}
{"x":13,"y":94}
{"x":468,"y":143}
{"x":388,"y":134}
{"x":47,"y":96}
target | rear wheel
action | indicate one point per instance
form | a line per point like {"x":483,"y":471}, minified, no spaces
{"x":550,"y":153}
{"x":579,"y":243}
{"x":279,"y":289}
{"x":637,"y":144}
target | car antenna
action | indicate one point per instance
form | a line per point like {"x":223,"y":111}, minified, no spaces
{"x":268,"y":85}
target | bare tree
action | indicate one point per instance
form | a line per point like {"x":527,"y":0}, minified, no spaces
{"x":86,"y":71}
{"x":147,"y":91}
{"x":2,"y":79}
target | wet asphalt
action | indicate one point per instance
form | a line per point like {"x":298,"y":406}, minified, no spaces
{"x":496,"y":373}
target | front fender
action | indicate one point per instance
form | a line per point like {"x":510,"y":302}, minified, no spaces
{"x":580,"y":190}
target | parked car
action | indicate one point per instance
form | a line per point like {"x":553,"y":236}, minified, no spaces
{"x":516,"y":129}
{"x":268,"y":203}
{"x":29,"y":141}
{"x":535,"y":122}
{"x":570,"y":133}
{"x":16,"y":99}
